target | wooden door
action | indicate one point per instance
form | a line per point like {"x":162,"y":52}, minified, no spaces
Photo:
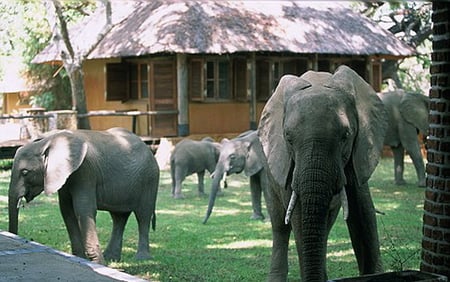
{"x":163,"y":97}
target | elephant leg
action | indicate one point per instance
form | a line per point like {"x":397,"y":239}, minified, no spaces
{"x":280,"y":245}
{"x":114,"y":249}
{"x":362,"y":226}
{"x":90,"y":238}
{"x":399,"y":155}
{"x":416,"y":156}
{"x":85,"y":208}
{"x":180,"y":175}
{"x":255,"y":188}
{"x":200,"y":179}
{"x":71,"y":222}
{"x":143,"y":218}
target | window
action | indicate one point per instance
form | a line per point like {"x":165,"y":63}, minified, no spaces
{"x":117,"y":82}
{"x":210,"y":79}
{"x":138,"y":81}
{"x":269,"y":72}
{"x":218,"y":80}
{"x":125,"y":81}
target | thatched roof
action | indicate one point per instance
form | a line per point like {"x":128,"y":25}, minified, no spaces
{"x":218,"y":27}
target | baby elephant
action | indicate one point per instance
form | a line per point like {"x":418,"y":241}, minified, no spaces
{"x":110,"y":170}
{"x":190,"y":156}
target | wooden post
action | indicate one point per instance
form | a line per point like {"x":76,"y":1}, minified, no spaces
{"x":253,"y":121}
{"x":182,"y":95}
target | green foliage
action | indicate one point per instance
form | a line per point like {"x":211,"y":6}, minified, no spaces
{"x":24,"y":32}
{"x":231,"y":247}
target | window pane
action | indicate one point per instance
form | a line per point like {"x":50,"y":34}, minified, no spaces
{"x":134,"y":90}
{"x":134,"y":72}
{"x":210,"y":89}
{"x":209,"y":70}
{"x":143,"y":68}
{"x":224,"y":87}
{"x":144,"y":89}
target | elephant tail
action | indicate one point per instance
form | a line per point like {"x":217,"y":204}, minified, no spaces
{"x":154,"y":221}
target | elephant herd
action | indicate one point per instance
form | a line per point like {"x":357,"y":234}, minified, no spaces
{"x":319,"y":140}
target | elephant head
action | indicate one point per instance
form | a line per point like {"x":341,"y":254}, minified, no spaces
{"x":43,"y":165}
{"x":322,"y":135}
{"x":236,"y":155}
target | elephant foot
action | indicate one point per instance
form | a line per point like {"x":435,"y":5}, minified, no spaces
{"x":110,"y":256}
{"x":143,"y":256}
{"x":178,"y":196}
{"x":400,"y":182}
{"x":256,"y":216}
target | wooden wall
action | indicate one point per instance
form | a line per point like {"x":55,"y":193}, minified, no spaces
{"x":219,"y":118}
{"x":94,"y":77}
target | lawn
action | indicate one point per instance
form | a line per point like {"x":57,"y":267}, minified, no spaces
{"x":230,"y":247}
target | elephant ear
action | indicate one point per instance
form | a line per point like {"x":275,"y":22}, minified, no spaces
{"x":372,"y":121}
{"x":414,"y":109}
{"x":253,"y":162}
{"x":63,"y":154}
{"x":270,"y":128}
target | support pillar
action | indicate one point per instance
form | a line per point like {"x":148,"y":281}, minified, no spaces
{"x":182,"y":95}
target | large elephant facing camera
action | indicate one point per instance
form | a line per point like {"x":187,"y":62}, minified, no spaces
{"x":243,"y":153}
{"x":322,"y":135}
{"x":408,"y":115}
{"x":109,"y":170}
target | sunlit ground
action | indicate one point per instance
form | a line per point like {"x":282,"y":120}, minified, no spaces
{"x":231,"y":247}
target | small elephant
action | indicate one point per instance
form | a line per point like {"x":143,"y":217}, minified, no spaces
{"x":408,"y":115}
{"x":243,"y":153}
{"x":322,"y":135}
{"x":110,"y":170}
{"x":190,"y":156}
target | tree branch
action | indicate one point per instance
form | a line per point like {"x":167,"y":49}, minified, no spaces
{"x":63,"y":28}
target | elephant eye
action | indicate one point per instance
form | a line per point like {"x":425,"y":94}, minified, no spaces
{"x":24,"y":172}
{"x":346,"y":135}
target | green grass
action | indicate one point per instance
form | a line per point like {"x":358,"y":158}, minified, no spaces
{"x":231,"y":247}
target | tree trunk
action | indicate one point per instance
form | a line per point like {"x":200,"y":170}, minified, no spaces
{"x":78,"y":94}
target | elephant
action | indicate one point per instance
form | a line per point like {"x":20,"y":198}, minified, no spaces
{"x":110,"y":170}
{"x":408,"y":115}
{"x":243,"y":153}
{"x":322,"y":136}
{"x":190,"y":156}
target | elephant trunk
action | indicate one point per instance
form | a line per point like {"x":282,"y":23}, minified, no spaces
{"x":215,"y":186}
{"x":313,"y":184}
{"x":13,"y":212}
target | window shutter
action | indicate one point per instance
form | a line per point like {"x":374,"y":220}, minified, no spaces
{"x":240,"y":79}
{"x":196,"y":80}
{"x":117,"y":82}
{"x":263,"y":90}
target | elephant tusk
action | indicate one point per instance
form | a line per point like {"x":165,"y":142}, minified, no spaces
{"x":344,"y":203}
{"x":20,"y":203}
{"x":291,"y":206}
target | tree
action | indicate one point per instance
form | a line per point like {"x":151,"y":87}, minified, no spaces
{"x":411,"y":23}
{"x":73,"y":58}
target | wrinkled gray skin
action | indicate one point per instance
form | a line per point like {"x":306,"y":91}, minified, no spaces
{"x":109,"y":170}
{"x":408,"y":115}
{"x":243,"y":153}
{"x":322,"y":135}
{"x":190,"y":156}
